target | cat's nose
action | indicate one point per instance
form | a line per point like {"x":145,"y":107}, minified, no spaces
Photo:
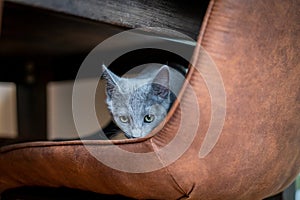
{"x":136,"y":132}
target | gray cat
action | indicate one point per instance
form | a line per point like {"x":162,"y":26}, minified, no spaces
{"x":139,"y":104}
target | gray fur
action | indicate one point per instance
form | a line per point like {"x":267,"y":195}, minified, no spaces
{"x":139,"y":99}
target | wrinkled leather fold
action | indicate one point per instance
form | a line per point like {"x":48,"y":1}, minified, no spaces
{"x":257,"y":153}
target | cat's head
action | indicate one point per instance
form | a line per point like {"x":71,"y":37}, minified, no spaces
{"x":138,"y":104}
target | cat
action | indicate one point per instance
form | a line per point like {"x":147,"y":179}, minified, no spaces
{"x":139,"y":104}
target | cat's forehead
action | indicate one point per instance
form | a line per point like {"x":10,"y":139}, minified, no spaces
{"x":132,"y":101}
{"x":131,"y":85}
{"x":131,"y":96}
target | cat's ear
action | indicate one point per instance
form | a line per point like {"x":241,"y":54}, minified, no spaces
{"x":112,"y":80}
{"x":163,"y":76}
{"x":161,"y":82}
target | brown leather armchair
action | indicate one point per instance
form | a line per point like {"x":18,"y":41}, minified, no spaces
{"x":255,"y":45}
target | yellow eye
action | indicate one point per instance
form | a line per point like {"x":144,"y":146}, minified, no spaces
{"x":149,"y":118}
{"x":124,"y":119}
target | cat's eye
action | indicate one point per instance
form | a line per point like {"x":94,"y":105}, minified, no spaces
{"x":124,"y":119}
{"x":149,"y":118}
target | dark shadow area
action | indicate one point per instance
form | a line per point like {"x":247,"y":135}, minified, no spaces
{"x":42,"y":193}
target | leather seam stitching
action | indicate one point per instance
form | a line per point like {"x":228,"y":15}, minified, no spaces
{"x":155,"y":149}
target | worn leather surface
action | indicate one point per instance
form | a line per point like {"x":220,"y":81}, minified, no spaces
{"x":255,"y":46}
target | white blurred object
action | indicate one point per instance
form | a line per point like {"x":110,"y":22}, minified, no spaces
{"x":60,"y":118}
{"x":8,"y":111}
